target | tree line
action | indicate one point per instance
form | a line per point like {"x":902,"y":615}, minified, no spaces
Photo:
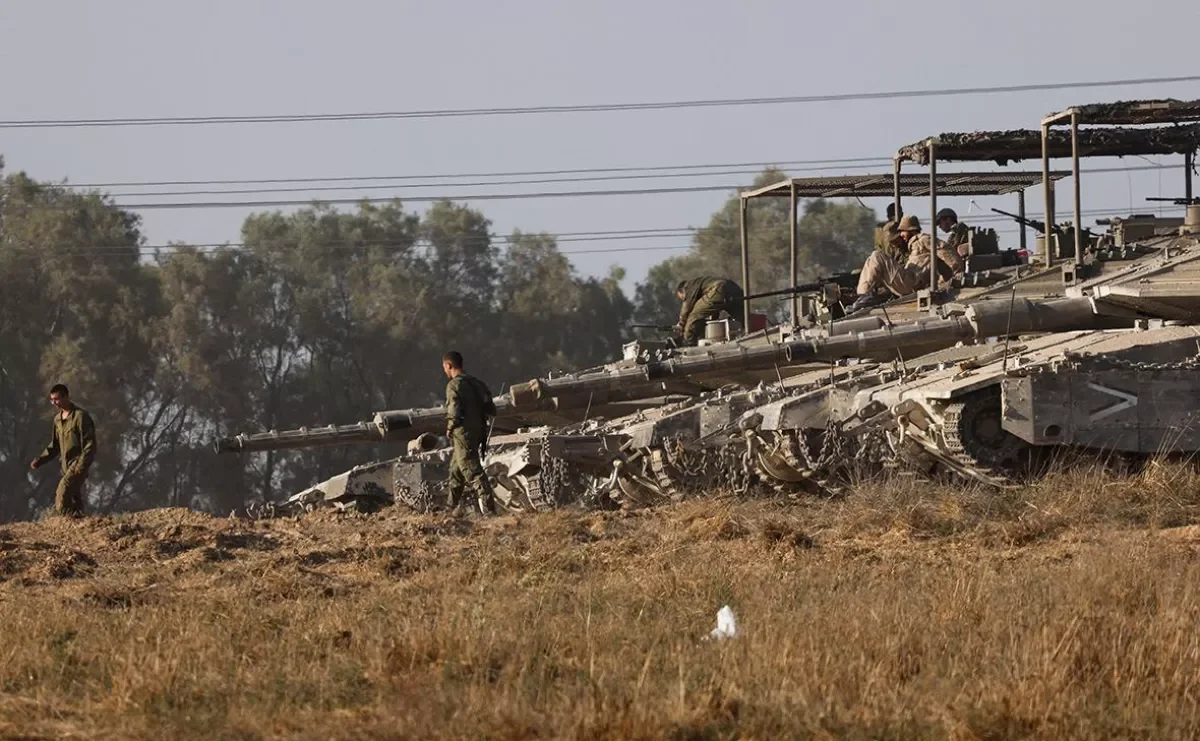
{"x":320,"y":316}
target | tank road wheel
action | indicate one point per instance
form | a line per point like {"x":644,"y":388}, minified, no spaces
{"x":636,"y":488}
{"x":974,"y":432}
{"x":508,"y":493}
{"x":670,"y":480}
{"x":535,"y":495}
{"x":775,"y":460}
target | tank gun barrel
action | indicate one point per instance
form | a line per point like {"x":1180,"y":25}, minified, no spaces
{"x":566,"y":393}
{"x":402,"y":424}
{"x":983,"y":320}
{"x":866,"y":340}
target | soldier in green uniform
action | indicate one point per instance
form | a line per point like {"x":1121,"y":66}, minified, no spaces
{"x":956,"y":231}
{"x":73,"y":442}
{"x":887,"y":234}
{"x":469,"y":407}
{"x":703,"y":299}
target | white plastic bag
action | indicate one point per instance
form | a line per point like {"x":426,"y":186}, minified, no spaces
{"x":726,"y":624}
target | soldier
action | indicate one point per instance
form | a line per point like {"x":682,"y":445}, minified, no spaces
{"x":469,"y":407}
{"x":957,"y":232}
{"x":899,"y":272}
{"x":885,"y":232}
{"x":703,"y":299}
{"x":73,"y":442}
{"x":919,"y":248}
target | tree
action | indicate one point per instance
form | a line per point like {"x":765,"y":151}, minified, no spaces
{"x":78,"y":307}
{"x":321,"y":317}
{"x":831,"y":237}
{"x":551,"y":318}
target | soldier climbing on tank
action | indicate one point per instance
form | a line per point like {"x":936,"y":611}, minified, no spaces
{"x":957,"y":232}
{"x":704,"y":299}
{"x":469,"y":411}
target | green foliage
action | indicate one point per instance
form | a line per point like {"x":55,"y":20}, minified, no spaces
{"x":831,"y":237}
{"x":322,"y":317}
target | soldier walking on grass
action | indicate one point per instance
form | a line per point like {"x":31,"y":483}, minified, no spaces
{"x":469,"y":409}
{"x":73,"y":442}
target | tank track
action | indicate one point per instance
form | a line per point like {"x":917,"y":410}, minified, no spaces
{"x":421,"y":499}
{"x":975,"y":449}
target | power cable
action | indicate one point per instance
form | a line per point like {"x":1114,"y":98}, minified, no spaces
{"x":463,"y":196}
{"x":451,"y":176}
{"x":581,"y":108}
{"x":537,"y":181}
{"x":500,"y":240}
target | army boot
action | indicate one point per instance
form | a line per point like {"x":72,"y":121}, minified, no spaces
{"x":454,"y":505}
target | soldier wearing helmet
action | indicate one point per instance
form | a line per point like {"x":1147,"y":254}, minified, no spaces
{"x":900,"y":276}
{"x":921,"y":247}
{"x":957,"y":232}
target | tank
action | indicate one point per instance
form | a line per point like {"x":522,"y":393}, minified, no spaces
{"x":1098,"y":352}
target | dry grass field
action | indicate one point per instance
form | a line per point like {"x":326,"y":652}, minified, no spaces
{"x":905,"y":610}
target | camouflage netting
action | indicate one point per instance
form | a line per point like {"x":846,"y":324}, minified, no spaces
{"x":1003,"y":147}
{"x":1133,"y":112}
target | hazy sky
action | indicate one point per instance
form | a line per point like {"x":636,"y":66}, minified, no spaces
{"x":122,"y":58}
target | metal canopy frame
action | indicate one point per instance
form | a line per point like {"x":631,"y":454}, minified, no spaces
{"x":1168,"y":115}
{"x":877,"y":185}
{"x":1004,"y":147}
{"x":928,"y":150}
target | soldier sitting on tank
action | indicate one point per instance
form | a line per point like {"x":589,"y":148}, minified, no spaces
{"x":920,"y":252}
{"x":704,"y":299}
{"x":904,"y":269}
{"x":957,"y":232}
{"x":885,"y":231}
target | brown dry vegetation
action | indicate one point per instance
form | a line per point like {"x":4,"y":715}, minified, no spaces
{"x":905,"y":610}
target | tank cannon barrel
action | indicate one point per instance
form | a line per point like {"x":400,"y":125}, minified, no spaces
{"x":865,"y":339}
{"x":991,"y":319}
{"x":396,"y":425}
{"x":304,"y":437}
{"x":566,"y":393}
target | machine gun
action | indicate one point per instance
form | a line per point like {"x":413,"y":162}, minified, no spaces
{"x":1038,"y":226}
{"x":843,"y":281}
{"x":659,"y":327}
{"x":1065,"y":234}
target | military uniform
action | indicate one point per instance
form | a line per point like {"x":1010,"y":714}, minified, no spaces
{"x":906,"y":270}
{"x":957,"y":236}
{"x":74,"y":444}
{"x":883,"y":271}
{"x":468,"y":406}
{"x":885,"y":239}
{"x":919,"y":253}
{"x":704,"y":299}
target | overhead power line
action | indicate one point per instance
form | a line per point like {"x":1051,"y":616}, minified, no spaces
{"x":425,"y":198}
{"x":432,"y":198}
{"x":451,"y":176}
{"x":586,"y":236}
{"x":470,"y":184}
{"x":581,"y":108}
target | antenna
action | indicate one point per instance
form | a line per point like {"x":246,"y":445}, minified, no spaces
{"x":1008,"y":330}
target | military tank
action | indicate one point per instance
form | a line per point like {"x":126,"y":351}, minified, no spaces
{"x":1015,"y":357}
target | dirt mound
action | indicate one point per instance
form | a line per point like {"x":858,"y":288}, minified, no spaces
{"x":35,"y":562}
